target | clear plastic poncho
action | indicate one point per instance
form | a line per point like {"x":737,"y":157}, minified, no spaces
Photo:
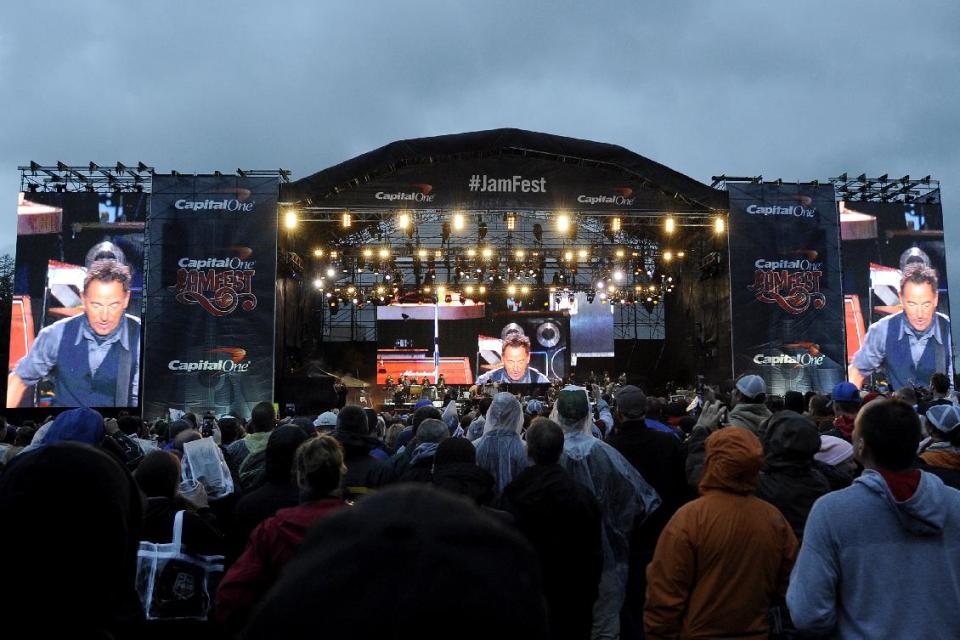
{"x":500,"y":451}
{"x":625,"y":500}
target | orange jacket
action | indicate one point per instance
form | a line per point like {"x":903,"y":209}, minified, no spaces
{"x":723,"y":558}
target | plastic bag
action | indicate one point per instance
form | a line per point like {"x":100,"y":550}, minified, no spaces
{"x":174,"y":585}
{"x":203,"y":461}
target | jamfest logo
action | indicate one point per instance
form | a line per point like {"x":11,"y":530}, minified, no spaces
{"x":792,"y":284}
{"x":620,"y":196}
{"x":234,"y":362}
{"x":219,"y":284}
{"x":422,"y":193}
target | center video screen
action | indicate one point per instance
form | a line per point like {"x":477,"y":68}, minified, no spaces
{"x":470,"y":343}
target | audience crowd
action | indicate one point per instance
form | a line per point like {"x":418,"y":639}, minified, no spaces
{"x":594,"y":511}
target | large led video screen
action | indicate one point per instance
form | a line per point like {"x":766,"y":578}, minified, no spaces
{"x":78,"y":289}
{"x":895,"y":293}
{"x":471,"y":343}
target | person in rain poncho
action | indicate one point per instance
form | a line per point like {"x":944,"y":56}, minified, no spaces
{"x":500,"y":450}
{"x":625,"y":500}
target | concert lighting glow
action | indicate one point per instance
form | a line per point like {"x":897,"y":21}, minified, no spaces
{"x":368,"y":253}
{"x":511,"y":221}
{"x":317,"y":253}
{"x":346,"y":220}
{"x":719,"y":226}
{"x":615,"y":224}
{"x":458,"y":221}
{"x":563,"y":223}
{"x":582,"y":254}
{"x":318,"y":283}
{"x":667,"y":256}
{"x":384,"y":253}
{"x":487,"y":252}
{"x":331,"y":272}
{"x":669,"y":224}
{"x":403,"y":220}
{"x":290,"y":219}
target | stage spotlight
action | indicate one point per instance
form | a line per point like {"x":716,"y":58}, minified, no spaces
{"x":331,"y":272}
{"x":384,"y":253}
{"x":482,"y":230}
{"x":290,"y":219}
{"x":317,"y":253}
{"x":525,"y":289}
{"x":621,"y":253}
{"x":422,"y":254}
{"x":563,"y":223}
{"x":346,"y":220}
{"x":719,"y":226}
{"x":669,"y":224}
{"x":521,"y":254}
{"x":618,"y":275}
{"x":458,"y":221}
{"x":318,"y":283}
{"x":615,"y":224}
{"x":511,"y":290}
{"x":469,"y":290}
{"x":403,"y":220}
{"x":538,"y":232}
{"x":438,"y":254}
{"x":582,"y":254}
{"x":511,"y":221}
{"x":667,"y":256}
{"x":568,"y":256}
{"x":368,"y":253}
{"x":471,"y":253}
{"x":601,"y":285}
{"x":487,"y":252}
{"x":681,"y":254}
{"x":333,"y":255}
{"x":482,"y":290}
{"x":426,"y":289}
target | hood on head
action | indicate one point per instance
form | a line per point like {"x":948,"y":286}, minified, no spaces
{"x":749,"y":416}
{"x":76,"y":425}
{"x":924,"y":513}
{"x":733,"y":461}
{"x":790,"y":438}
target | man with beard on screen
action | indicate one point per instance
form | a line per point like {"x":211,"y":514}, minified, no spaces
{"x":516,"y":367}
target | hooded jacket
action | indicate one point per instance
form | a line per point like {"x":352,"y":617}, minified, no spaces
{"x":899,"y":577}
{"x":788,"y":480}
{"x":465,"y":479}
{"x":270,"y":547}
{"x":723,"y":558}
{"x":749,"y":416}
{"x":943,"y":455}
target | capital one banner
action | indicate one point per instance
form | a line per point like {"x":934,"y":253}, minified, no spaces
{"x":211,"y":272}
{"x":785,"y":279}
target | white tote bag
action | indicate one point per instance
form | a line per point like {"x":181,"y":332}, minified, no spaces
{"x":174,"y":585}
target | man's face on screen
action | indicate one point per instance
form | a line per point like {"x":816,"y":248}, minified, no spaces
{"x":104,"y":303}
{"x":919,"y":304}
{"x":515,"y":362}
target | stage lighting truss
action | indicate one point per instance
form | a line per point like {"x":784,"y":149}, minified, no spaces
{"x":112,"y":178}
{"x":861,"y":188}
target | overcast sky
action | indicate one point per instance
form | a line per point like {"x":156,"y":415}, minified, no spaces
{"x":794,"y":90}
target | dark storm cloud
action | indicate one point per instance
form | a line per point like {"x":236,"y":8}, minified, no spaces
{"x":741,"y":88}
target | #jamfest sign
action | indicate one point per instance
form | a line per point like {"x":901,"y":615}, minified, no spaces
{"x":209,"y":319}
{"x":785,"y":279}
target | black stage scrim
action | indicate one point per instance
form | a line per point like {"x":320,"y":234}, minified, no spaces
{"x":786,"y":298}
{"x":210,"y":294}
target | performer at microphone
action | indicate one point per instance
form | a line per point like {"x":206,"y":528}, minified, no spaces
{"x":516,"y":367}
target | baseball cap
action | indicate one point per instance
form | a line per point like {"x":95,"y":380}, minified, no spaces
{"x":631,"y":402}
{"x":845,"y":392}
{"x":944,"y":417}
{"x":326,"y":419}
{"x":751,"y":386}
{"x":572,"y":403}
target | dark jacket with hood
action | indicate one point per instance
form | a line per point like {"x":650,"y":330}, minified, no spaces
{"x":465,"y":479}
{"x":357,"y":450}
{"x":788,"y":480}
{"x":561,"y":519}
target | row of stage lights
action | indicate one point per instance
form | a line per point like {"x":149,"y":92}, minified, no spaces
{"x":486,"y":253}
{"x":562,"y":222}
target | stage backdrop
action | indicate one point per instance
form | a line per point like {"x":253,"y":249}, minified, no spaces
{"x":209,"y":317}
{"x":786,"y":298}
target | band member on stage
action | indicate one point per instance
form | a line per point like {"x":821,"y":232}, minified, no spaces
{"x":389,"y":380}
{"x":425,"y":381}
{"x":909,"y":346}
{"x":516,"y":367}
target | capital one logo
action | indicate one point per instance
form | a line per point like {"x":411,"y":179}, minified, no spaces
{"x":620,"y":196}
{"x":421,"y":193}
{"x":231,"y":360}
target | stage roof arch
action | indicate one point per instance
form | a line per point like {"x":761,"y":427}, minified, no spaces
{"x":503,"y":169}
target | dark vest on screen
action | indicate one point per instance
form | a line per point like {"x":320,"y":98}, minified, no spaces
{"x":76,"y":386}
{"x":901,"y":371}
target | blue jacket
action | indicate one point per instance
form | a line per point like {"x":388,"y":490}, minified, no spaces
{"x":872,"y":567}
